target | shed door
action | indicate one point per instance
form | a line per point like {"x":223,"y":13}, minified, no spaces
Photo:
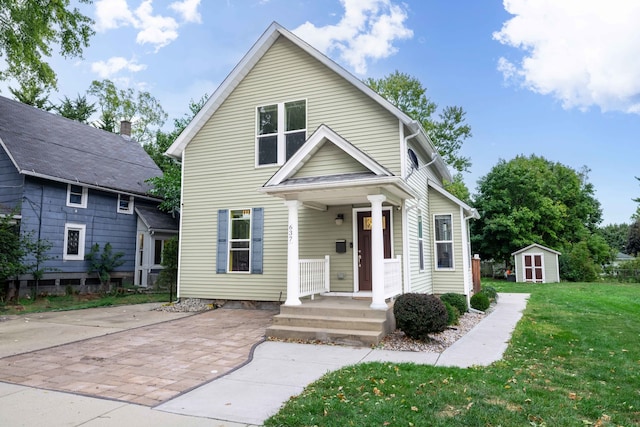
{"x":533,"y":268}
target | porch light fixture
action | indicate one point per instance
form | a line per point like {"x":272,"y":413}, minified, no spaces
{"x":339,"y":219}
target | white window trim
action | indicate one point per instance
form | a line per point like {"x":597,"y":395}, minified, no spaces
{"x":81,"y":242}
{"x":85,"y":196}
{"x":129,"y":210}
{"x":230,"y":240}
{"x":281,"y":135}
{"x":435,"y":245}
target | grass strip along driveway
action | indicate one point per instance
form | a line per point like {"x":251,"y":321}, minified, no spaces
{"x":573,"y":360}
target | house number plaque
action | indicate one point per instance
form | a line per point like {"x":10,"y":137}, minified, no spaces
{"x":366,"y":223}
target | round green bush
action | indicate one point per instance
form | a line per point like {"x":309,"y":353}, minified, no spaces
{"x":459,"y":301}
{"x":418,"y":315}
{"x":491,"y":292}
{"x":453,"y":313}
{"x":480,"y":301}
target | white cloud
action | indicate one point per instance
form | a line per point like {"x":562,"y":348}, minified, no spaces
{"x":366,"y":31}
{"x":582,"y":52}
{"x":107,"y":69}
{"x":154,"y":29}
{"x":188,"y":9}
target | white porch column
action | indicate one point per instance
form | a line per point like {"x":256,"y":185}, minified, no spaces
{"x":377,"y":253}
{"x":293,"y":263}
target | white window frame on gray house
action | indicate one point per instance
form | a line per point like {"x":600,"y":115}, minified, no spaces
{"x":239,"y":244}
{"x":439,"y":240}
{"x":81,"y":229}
{"x":254,"y":244}
{"x":281,"y":131}
{"x":125,"y":204}
{"x":73,"y":193}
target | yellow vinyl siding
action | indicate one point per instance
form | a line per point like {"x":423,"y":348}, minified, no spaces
{"x":447,"y":280}
{"x":421,"y":281}
{"x":220,"y":173}
{"x":330,"y":160}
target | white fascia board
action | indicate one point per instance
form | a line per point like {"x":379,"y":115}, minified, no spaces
{"x":472,"y":211}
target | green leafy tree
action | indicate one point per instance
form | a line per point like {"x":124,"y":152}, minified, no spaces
{"x":29,"y":29}
{"x":532,"y":200}
{"x":458,"y":188}
{"x":167,"y":186}
{"x":169,"y":274}
{"x":32,"y":93}
{"x":38,"y":254}
{"x":448,"y":132}
{"x":78,"y":109}
{"x":104,"y":263}
{"x":140,"y":108}
{"x":633,"y":239}
{"x":616,"y":236}
{"x":12,"y":249}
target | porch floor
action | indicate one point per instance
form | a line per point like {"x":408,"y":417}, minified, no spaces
{"x":341,"y":320}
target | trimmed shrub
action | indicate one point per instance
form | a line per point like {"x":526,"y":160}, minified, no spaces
{"x":453,"y":313}
{"x":490,"y":292}
{"x":418,"y":315}
{"x":459,"y":301}
{"x":480,"y":301}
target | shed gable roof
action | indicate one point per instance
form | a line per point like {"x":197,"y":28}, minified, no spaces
{"x":247,"y":63}
{"x":49,"y":146}
{"x":535,"y":245}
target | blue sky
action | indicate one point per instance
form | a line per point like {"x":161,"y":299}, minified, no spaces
{"x":556,"y":78}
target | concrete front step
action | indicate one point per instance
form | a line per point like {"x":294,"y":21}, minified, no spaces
{"x":338,"y":336}
{"x":330,"y":322}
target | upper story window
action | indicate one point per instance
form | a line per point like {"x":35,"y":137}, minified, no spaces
{"x":125,"y":204}
{"x":76,"y":196}
{"x":281,"y":130}
{"x":444,"y":241}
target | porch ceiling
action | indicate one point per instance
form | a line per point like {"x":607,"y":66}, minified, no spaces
{"x":320,"y":192}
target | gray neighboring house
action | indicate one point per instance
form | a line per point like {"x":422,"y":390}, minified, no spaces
{"x":74,"y":186}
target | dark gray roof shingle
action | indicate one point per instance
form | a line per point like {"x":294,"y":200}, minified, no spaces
{"x":155,"y":219}
{"x":51,"y":146}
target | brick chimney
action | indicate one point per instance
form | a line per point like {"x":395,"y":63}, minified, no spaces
{"x":125,"y":128}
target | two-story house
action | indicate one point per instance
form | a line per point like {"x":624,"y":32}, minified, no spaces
{"x":300,"y":180}
{"x":73,"y":186}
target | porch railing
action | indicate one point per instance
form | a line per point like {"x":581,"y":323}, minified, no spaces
{"x":314,"y":276}
{"x":392,"y":277}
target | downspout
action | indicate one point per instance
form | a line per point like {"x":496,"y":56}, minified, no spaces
{"x":405,"y":226}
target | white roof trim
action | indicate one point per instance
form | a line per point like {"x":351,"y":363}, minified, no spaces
{"x":251,"y":59}
{"x":472,"y":211}
{"x":312,"y":145}
{"x":535,"y":245}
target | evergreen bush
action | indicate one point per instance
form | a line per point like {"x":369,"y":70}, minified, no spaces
{"x":490,"y":292}
{"x":480,"y":301}
{"x":453,"y":313}
{"x":459,"y":301}
{"x":418,"y":315}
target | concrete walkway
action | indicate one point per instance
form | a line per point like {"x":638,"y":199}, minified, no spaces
{"x":255,"y":391}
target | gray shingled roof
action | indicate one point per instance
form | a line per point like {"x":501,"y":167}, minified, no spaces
{"x":50,"y":146}
{"x":157,"y":220}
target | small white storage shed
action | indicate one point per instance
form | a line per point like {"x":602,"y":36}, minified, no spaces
{"x":537,"y":264}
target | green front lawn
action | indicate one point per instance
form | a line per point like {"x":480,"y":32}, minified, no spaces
{"x":574,"y":360}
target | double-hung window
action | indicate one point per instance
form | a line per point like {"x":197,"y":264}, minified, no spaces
{"x":281,"y":130}
{"x":74,"y":242}
{"x":444,"y":242}
{"x":76,"y":196}
{"x":240,"y":240}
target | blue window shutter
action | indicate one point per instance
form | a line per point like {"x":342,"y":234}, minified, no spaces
{"x":257,"y":232}
{"x":223,"y":241}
